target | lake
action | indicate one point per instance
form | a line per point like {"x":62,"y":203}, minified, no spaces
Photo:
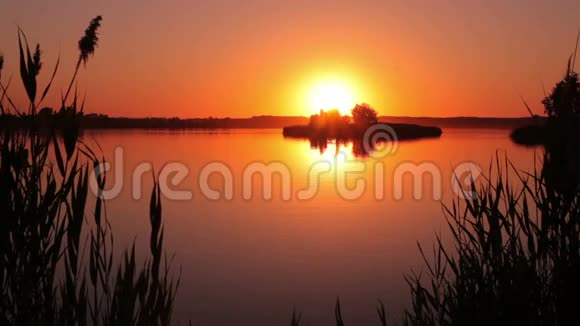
{"x":250,"y":260}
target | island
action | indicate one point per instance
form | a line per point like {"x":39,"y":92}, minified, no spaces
{"x":332,"y":125}
{"x":352,"y":131}
{"x":530,"y":135}
{"x":561,"y":125}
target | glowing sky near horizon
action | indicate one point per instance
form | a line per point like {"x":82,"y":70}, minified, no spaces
{"x":245,"y":58}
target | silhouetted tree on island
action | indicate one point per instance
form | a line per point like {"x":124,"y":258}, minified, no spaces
{"x":564,"y":101}
{"x":329,"y":119}
{"x":364,"y":115}
{"x":562,"y":109}
{"x":562,"y":136}
{"x":331,"y":125}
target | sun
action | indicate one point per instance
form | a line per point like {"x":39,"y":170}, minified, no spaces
{"x":331,"y":94}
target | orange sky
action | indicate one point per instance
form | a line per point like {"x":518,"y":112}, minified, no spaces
{"x":244,"y":58}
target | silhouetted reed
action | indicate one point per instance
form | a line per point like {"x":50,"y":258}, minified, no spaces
{"x":48,"y":276}
{"x":87,"y":45}
{"x":513,"y":257}
{"x":382,"y":315}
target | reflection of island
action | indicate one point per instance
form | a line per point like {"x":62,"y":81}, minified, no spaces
{"x":358,"y":147}
{"x":330,"y":126}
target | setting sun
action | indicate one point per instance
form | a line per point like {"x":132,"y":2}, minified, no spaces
{"x":325,"y":95}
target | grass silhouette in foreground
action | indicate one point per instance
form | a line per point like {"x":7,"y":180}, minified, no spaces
{"x":48,"y":276}
{"x":514,"y":257}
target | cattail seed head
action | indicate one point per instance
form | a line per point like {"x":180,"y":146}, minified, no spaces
{"x":88,"y":42}
{"x":36,"y":60}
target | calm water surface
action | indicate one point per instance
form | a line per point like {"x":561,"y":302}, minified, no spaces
{"x":250,"y":262}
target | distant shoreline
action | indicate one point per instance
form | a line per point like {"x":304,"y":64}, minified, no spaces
{"x":94,"y":121}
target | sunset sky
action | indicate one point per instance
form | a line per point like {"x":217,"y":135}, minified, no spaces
{"x":245,"y":58}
